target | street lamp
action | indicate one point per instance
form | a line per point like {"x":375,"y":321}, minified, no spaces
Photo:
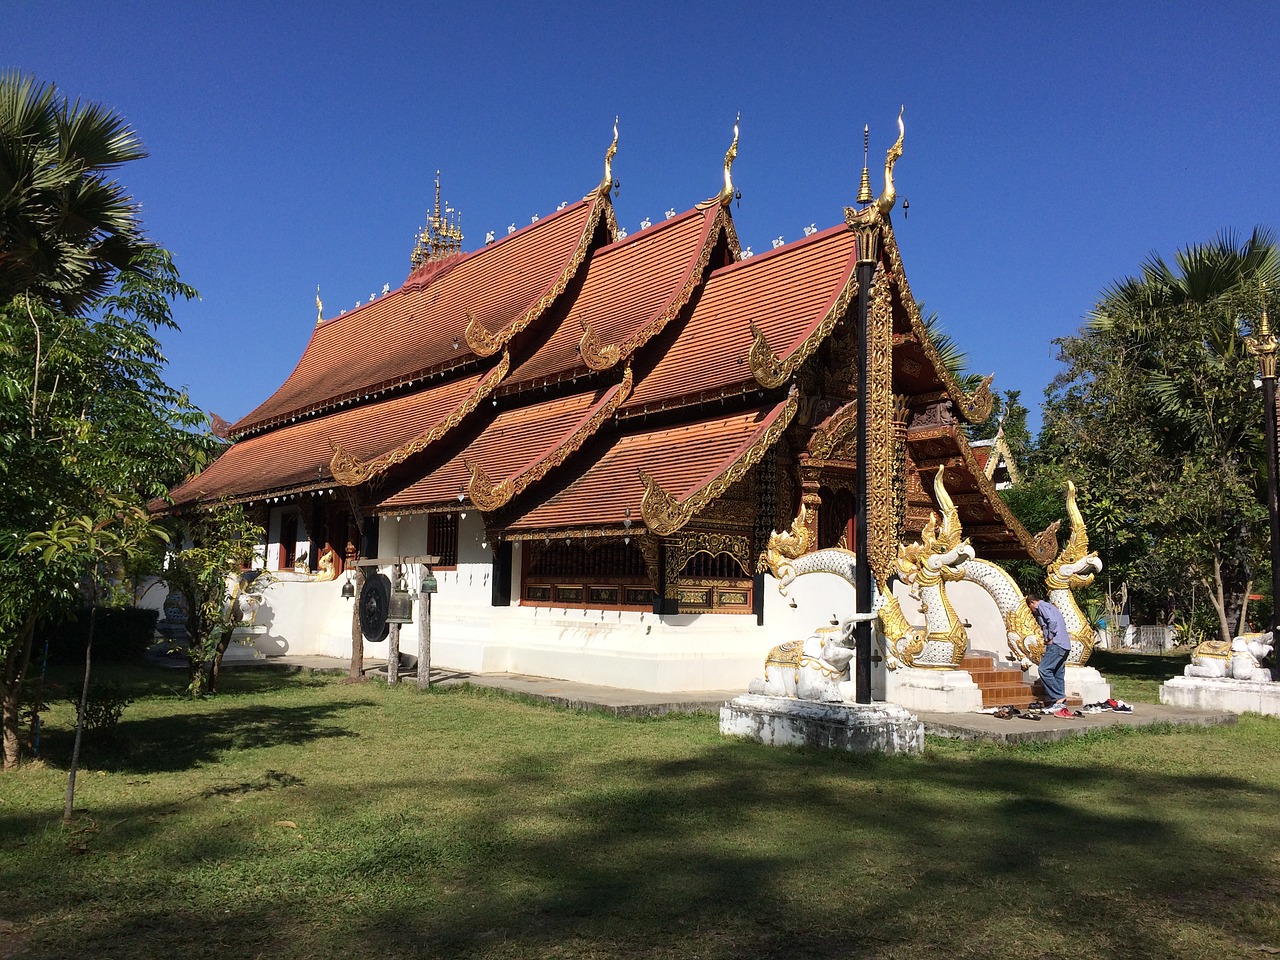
{"x":1264,"y":346}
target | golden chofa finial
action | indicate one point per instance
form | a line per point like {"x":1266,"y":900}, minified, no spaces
{"x":319,"y":307}
{"x":727,"y":193}
{"x":865,"y":196}
{"x":890,"y":195}
{"x":608,"y":183}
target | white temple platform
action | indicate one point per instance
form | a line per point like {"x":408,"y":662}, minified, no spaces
{"x":861,"y":728}
{"x":1087,"y":684}
{"x":934,"y":691}
{"x":1221,"y":693}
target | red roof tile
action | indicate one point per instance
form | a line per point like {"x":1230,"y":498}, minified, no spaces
{"x":682,"y":459}
{"x":515,"y":442}
{"x":298,"y":455}
{"x":787,"y":293}
{"x":399,"y":336}
{"x":632,"y":289}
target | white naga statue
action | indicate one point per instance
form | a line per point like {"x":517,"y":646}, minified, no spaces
{"x":1240,"y":659}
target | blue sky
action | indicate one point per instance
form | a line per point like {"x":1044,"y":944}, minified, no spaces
{"x":1050,"y":146}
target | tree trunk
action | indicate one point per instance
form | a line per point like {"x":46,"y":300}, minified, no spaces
{"x":15,"y":668}
{"x":69,"y":806}
{"x":215,"y":665}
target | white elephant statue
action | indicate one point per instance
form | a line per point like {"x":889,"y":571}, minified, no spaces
{"x":816,"y":668}
{"x":1241,"y":659}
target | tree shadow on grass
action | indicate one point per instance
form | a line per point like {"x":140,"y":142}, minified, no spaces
{"x":740,"y":852}
{"x":201,"y":736}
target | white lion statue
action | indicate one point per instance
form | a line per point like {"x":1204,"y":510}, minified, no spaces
{"x":815,"y":668}
{"x":1241,"y":659}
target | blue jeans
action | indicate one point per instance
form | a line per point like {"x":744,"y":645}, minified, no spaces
{"x":1053,"y":672}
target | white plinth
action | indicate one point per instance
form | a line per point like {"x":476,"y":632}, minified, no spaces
{"x":862,"y":728}
{"x":935,"y":691}
{"x":1215,"y":693}
{"x":1087,"y":684}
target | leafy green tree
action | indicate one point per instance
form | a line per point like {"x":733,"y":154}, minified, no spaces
{"x":89,"y":431}
{"x":1158,"y":421}
{"x":209,"y":572}
{"x":120,"y":532}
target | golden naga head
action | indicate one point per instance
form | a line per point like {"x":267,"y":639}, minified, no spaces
{"x":940,"y":539}
{"x":1075,"y":566}
{"x":790,"y":544}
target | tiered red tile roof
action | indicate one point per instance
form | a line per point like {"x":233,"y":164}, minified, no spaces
{"x":596,"y":360}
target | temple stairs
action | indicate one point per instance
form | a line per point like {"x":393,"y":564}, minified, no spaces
{"x":1004,"y":686}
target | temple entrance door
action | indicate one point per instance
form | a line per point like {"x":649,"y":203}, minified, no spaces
{"x":288,"y":540}
{"x":835,"y":519}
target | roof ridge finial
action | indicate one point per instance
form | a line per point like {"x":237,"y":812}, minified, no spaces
{"x":727,"y":192}
{"x":865,"y":196}
{"x":890,"y":195}
{"x":319,"y":307}
{"x":608,"y":183}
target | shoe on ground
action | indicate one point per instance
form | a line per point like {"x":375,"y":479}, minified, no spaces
{"x":1119,"y":706}
{"x":1063,"y":713}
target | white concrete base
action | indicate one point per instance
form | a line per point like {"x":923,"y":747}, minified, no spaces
{"x":862,"y":728}
{"x":1221,"y":693}
{"x":1087,"y":684}
{"x":935,"y":691}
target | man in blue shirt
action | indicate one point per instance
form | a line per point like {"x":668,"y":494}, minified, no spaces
{"x":1053,"y":662}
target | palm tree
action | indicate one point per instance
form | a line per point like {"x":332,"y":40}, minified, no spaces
{"x":1178,"y":331}
{"x":66,"y":228}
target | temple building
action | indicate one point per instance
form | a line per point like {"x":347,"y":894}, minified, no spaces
{"x":595,"y":433}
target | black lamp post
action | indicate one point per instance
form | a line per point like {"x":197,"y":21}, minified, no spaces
{"x":1264,"y":346}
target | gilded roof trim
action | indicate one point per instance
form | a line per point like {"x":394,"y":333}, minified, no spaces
{"x":488,"y":496}
{"x":574,"y":533}
{"x":1044,"y":545}
{"x":483,"y":343}
{"x":974,"y":407}
{"x":595,"y":354}
{"x":351,"y":472}
{"x":720,"y":221}
{"x":833,"y":431}
{"x":769,"y":369}
{"x":663,"y":514}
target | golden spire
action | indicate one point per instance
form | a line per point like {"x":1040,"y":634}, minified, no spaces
{"x":1263,"y":343}
{"x":727,"y":193}
{"x":319,"y":307}
{"x":865,"y":195}
{"x":442,"y":234}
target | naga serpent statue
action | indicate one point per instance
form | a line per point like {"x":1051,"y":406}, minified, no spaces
{"x":925,"y":566}
{"x":1074,"y":567}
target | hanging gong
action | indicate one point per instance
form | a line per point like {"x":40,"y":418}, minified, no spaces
{"x":375,"y":599}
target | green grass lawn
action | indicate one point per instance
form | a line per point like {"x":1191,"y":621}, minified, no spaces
{"x":297,"y":817}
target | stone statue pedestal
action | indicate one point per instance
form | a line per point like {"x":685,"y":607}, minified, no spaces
{"x":1087,"y":684}
{"x":934,"y":691}
{"x":861,"y":728}
{"x":1222,"y":693}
